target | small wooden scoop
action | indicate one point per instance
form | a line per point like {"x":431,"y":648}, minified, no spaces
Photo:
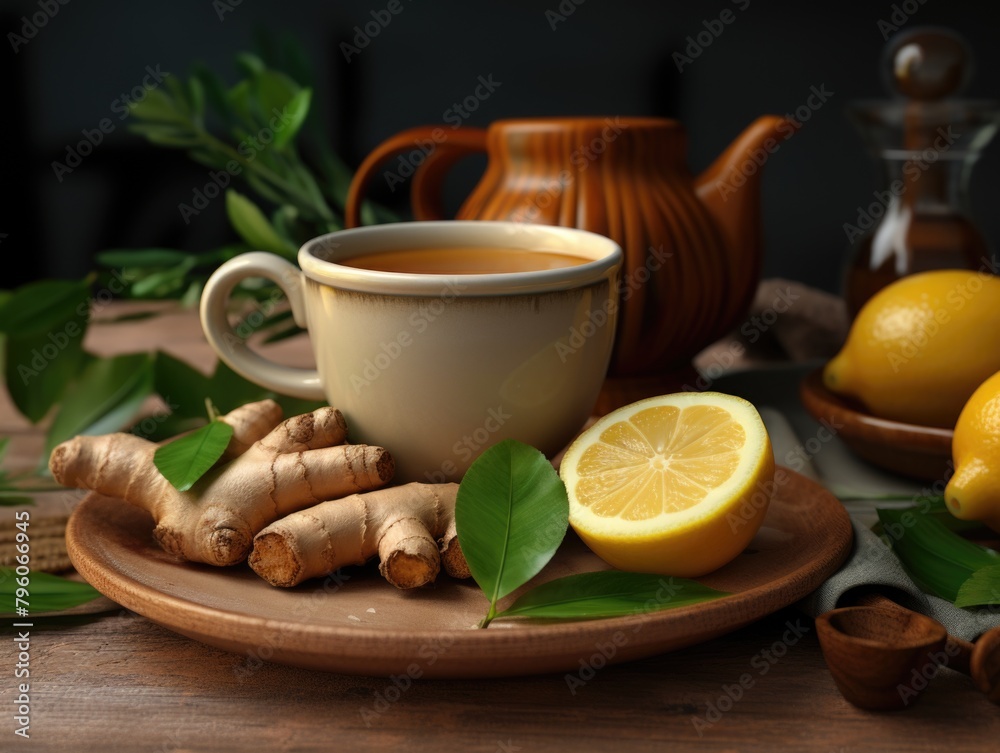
{"x":864,"y":648}
{"x":879,"y":657}
{"x":981,"y":660}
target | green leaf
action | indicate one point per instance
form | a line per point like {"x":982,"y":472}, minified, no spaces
{"x":263,"y":188}
{"x":46,"y":592}
{"x":228,"y":390}
{"x":254,"y":322}
{"x":196,"y":97}
{"x":107,"y":395}
{"x":45,"y":324}
{"x":283,"y":219}
{"x":238,"y":98}
{"x":209,"y":158}
{"x":938,"y":560}
{"x":981,"y":589}
{"x":375,"y":214}
{"x":165,"y":136}
{"x":182,"y":387}
{"x":296,"y":64}
{"x":294,"y":114}
{"x":192,"y":296}
{"x":512,"y":512}
{"x":272,"y":92}
{"x":610,"y":593}
{"x":185,"y":460}
{"x":253,"y":227}
{"x":164,"y":281}
{"x":215,"y":90}
{"x":250,"y":64}
{"x":43,"y":305}
{"x":337,"y":176}
{"x":35,"y":381}
{"x":158,"y":106}
{"x":9,"y":499}
{"x":140,"y":257}
{"x":293,"y":330}
{"x":179,"y":93}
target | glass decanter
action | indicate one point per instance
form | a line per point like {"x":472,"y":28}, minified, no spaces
{"x":926,"y":144}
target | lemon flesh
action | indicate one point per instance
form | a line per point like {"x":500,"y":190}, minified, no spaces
{"x":677,"y":484}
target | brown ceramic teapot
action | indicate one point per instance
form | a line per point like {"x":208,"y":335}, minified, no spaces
{"x":692,"y":245}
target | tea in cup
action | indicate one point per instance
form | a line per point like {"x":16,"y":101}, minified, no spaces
{"x":437,"y":340}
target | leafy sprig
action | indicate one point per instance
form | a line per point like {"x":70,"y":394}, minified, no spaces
{"x":250,"y":135}
{"x":938,"y":559}
{"x":49,"y":593}
{"x":186,"y":459}
{"x":512,"y":514}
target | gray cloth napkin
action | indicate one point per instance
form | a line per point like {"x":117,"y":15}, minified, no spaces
{"x":872,"y":563}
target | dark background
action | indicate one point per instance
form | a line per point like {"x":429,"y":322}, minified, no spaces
{"x":608,"y":57}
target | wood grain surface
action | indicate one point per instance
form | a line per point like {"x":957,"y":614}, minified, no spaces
{"x":117,"y":682}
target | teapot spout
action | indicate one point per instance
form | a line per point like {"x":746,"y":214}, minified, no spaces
{"x":730,"y":187}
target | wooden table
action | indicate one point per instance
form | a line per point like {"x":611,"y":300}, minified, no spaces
{"x":115,"y":681}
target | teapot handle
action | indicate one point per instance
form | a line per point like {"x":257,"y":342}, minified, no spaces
{"x":442,"y":148}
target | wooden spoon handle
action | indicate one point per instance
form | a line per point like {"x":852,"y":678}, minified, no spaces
{"x":959,"y":651}
{"x":986,"y":664}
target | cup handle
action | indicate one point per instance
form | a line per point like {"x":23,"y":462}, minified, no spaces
{"x":232,"y":348}
{"x":425,"y":191}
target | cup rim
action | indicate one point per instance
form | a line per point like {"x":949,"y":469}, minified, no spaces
{"x":315,"y":257}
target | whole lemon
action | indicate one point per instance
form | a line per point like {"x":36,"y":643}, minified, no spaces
{"x":974,"y":491}
{"x":919,"y":348}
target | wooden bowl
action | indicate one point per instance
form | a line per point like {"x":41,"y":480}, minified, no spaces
{"x":881,"y":659}
{"x":921,"y":452}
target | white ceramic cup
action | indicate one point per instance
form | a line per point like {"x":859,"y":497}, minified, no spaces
{"x":436,"y":368}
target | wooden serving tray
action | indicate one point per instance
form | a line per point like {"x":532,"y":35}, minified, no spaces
{"x":359,"y":624}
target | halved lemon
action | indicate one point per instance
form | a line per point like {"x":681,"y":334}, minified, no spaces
{"x":676,"y":484}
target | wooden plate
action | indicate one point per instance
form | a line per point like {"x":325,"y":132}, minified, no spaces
{"x":922,"y":452}
{"x":359,"y":624}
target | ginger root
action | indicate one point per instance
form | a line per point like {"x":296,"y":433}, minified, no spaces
{"x":402,"y":524}
{"x":273,"y":471}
